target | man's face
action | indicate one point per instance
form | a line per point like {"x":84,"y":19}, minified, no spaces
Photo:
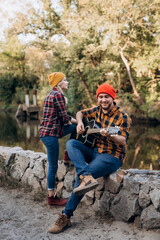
{"x":105,"y":101}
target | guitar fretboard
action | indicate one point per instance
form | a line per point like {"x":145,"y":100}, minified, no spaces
{"x":110,"y":130}
{"x":93,"y":130}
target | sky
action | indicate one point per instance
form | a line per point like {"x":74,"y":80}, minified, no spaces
{"x":8,"y":9}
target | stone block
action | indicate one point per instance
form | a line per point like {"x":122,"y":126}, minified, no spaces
{"x":155,"y":198}
{"x":44,"y":184}
{"x":61,"y":171}
{"x":137,"y":222}
{"x":38,"y":169}
{"x":16,"y":172}
{"x":125,"y":206}
{"x":120,"y":175}
{"x":9,"y":158}
{"x":104,"y":203}
{"x":65,"y":193}
{"x":144,"y":199}
{"x":129,"y":184}
{"x":22,"y":161}
{"x":101,"y":181}
{"x":88,"y":198}
{"x":111,"y":184}
{"x":150,"y":218}
{"x":28,"y":177}
{"x":98,"y":194}
{"x":69,"y":181}
{"x":145,"y":187}
{"x":59,"y":189}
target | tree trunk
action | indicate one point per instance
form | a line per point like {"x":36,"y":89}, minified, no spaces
{"x":130,"y":76}
{"x":89,"y":96}
{"x":138,"y":148}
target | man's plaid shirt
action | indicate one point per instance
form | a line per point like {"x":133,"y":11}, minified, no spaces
{"x":54,"y":115}
{"x":115,"y":117}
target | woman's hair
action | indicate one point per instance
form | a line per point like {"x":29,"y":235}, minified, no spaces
{"x":58,"y":87}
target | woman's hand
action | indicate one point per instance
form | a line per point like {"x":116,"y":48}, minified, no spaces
{"x":69,"y":123}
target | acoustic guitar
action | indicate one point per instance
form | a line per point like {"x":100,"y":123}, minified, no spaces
{"x":92,"y":130}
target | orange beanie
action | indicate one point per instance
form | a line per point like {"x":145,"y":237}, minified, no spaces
{"x":106,"y":88}
{"x":55,"y":78}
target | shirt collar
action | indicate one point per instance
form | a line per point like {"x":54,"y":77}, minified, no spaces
{"x":54,"y":89}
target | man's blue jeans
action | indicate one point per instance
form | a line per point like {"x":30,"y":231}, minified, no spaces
{"x":52,"y":146}
{"x":88,"y":161}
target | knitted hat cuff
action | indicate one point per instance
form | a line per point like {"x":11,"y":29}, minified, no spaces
{"x":106,"y":88}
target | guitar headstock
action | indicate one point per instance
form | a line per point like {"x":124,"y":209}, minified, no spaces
{"x":113,"y":130}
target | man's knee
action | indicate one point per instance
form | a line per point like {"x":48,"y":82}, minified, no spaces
{"x":70,"y":144}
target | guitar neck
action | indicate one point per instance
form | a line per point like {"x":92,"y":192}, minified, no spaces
{"x":110,"y":130}
{"x":93,"y":130}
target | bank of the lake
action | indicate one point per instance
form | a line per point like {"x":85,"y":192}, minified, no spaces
{"x":23,"y":217}
{"x":143,"y":146}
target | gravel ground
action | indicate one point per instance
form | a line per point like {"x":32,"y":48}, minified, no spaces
{"x":21,"y":217}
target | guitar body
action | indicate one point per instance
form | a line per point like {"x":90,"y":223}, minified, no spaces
{"x":88,"y":139}
{"x":92,"y":130}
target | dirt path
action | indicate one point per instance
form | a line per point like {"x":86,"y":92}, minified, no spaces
{"x":22,"y":218}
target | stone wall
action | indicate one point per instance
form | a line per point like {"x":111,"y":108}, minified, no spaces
{"x":127,"y":195}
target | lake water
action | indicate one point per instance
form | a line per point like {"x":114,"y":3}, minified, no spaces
{"x":143,"y":146}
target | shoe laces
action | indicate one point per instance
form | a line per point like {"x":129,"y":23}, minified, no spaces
{"x":81,"y":178}
{"x":61,"y":219}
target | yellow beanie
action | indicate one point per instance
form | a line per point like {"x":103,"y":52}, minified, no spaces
{"x":55,"y":78}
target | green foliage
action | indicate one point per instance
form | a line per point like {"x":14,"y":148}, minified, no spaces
{"x":92,"y":42}
{"x":8,"y":84}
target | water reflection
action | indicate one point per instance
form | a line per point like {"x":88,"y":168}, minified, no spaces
{"x":28,"y":125}
{"x":143,"y":147}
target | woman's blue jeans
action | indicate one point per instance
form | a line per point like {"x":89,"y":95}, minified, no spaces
{"x":52,"y":146}
{"x":88,"y":161}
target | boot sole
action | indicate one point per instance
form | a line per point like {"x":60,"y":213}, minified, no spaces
{"x":86,"y":189}
{"x":57,"y":205}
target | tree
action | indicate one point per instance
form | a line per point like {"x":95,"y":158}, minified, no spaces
{"x":8,"y":84}
{"x":99,"y":41}
{"x":38,"y":62}
{"x":14,"y":70}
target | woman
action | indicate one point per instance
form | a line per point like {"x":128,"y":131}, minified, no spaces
{"x":55,"y":123}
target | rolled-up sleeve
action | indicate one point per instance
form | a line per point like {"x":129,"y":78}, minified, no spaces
{"x":125,"y":126}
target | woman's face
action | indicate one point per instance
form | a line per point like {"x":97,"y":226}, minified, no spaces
{"x":64,"y":84}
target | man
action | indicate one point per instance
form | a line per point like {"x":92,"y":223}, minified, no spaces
{"x":104,"y":158}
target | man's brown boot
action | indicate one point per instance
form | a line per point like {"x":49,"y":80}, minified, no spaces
{"x":87,"y":183}
{"x":61,"y":224}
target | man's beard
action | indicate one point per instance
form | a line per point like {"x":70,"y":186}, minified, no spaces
{"x":106,"y":108}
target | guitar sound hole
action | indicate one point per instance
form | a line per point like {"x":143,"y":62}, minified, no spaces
{"x":85,"y":133}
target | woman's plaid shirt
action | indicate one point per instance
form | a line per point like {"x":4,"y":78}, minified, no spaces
{"x":115,"y":117}
{"x":54,"y":115}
